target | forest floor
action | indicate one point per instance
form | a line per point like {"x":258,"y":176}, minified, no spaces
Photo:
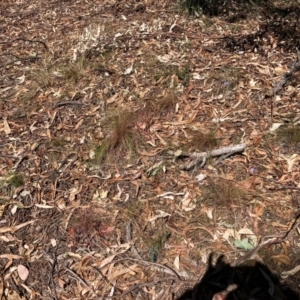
{"x":103,"y":105}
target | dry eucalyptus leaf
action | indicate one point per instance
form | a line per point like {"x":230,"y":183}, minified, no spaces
{"x":23,"y":272}
{"x":6,"y":127}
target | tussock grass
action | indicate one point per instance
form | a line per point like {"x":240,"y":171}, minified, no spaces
{"x":58,"y":142}
{"x":290,"y":135}
{"x":201,"y":141}
{"x":87,"y":227}
{"x":72,"y":72}
{"x":9,"y":184}
{"x":51,"y":74}
{"x":134,"y":209}
{"x":161,"y":104}
{"x":157,"y":241}
{"x":222,"y":194}
{"x":122,"y":138}
{"x":43,"y":77}
{"x":220,"y":191}
{"x":165,"y":71}
{"x":166,"y":103}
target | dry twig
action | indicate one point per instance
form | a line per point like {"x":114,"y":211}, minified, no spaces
{"x":69,"y":103}
{"x":268,"y":240}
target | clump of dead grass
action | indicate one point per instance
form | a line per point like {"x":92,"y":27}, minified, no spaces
{"x":223,"y":196}
{"x":165,"y":71}
{"x":58,"y":142}
{"x":133,"y":209}
{"x":86,"y":228}
{"x":8,"y":184}
{"x":43,"y":77}
{"x":52,"y":75}
{"x":16,"y":180}
{"x":222,"y":192}
{"x":40,"y":79}
{"x":290,"y":135}
{"x":166,"y":103}
{"x":162,"y":104}
{"x":73,"y":71}
{"x":122,"y":136}
{"x":157,"y":240}
{"x":202,"y":141}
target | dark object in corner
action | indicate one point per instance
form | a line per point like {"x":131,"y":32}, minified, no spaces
{"x":255,"y":282}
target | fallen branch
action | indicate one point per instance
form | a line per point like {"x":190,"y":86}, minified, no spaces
{"x":286,"y":76}
{"x":268,"y":240}
{"x":201,"y":157}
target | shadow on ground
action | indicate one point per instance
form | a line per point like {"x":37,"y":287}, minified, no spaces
{"x":280,"y":22}
{"x":254,"y":281}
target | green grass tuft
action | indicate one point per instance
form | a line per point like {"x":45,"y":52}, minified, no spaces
{"x":15,"y":180}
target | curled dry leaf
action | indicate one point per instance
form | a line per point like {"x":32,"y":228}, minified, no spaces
{"x":281,"y":258}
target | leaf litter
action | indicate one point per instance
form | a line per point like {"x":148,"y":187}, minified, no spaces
{"x":114,"y":182}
